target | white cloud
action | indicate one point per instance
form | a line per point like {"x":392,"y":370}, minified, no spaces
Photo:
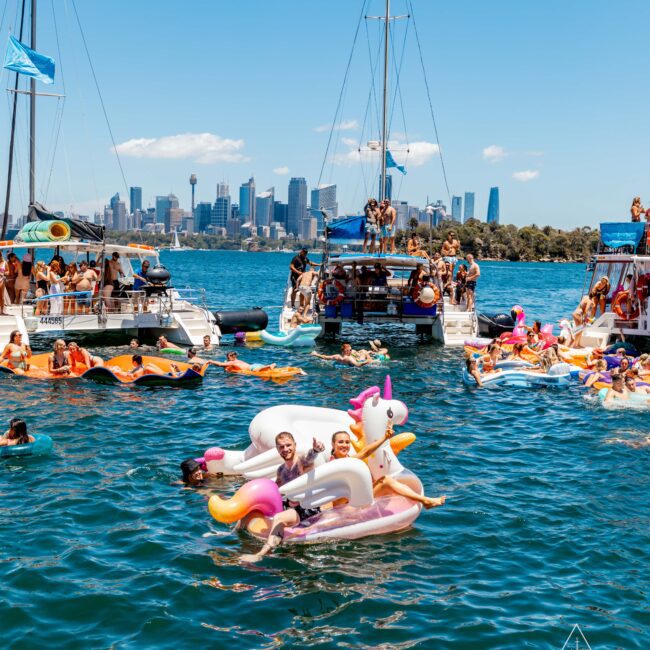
{"x":281,"y":171}
{"x":494,"y":153}
{"x":536,"y":154}
{"x":199,"y":147}
{"x":345,"y":125}
{"x":525,"y":176}
{"x":417,"y":155}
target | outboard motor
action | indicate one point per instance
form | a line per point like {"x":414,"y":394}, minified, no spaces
{"x":248,"y":320}
{"x":158,"y":278}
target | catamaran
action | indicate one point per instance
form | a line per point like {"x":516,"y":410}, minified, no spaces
{"x":342,"y":297}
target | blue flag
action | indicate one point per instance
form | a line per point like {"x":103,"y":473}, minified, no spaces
{"x":390,"y":162}
{"x":20,"y":58}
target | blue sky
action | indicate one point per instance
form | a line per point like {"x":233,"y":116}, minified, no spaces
{"x":548,"y":100}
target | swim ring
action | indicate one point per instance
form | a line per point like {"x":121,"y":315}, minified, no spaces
{"x":41,"y":446}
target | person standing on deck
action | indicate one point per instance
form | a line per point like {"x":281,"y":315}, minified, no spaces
{"x":297,"y":267}
{"x":388,"y":218}
{"x":473,"y":274}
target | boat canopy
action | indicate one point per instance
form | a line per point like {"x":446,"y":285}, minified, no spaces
{"x":370,"y":259}
{"x":618,"y":234}
{"x":131,"y":250}
{"x":347,"y":231}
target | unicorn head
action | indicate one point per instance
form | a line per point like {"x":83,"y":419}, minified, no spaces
{"x":375,"y":412}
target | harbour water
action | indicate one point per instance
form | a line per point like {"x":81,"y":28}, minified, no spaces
{"x":546,"y":523}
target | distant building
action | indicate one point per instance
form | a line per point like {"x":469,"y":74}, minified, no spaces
{"x":220,"y":212}
{"x":277,"y":231}
{"x":135,"y":199}
{"x":264,"y":207}
{"x":324,"y":198}
{"x":247,"y":201}
{"x":108,"y":218}
{"x":163,"y":205}
{"x":118,"y":214}
{"x":457,"y":208}
{"x":297,"y":206}
{"x":439,"y":212}
{"x":389,"y":188}
{"x":222,"y":190}
{"x":202,"y":216}
{"x":232,"y":227}
{"x":234,"y":211}
{"x":309,"y":228}
{"x":174,"y":219}
{"x":493,"y":206}
{"x":280,"y":211}
{"x":469,"y":207}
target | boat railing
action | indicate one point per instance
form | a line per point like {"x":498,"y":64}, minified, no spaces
{"x":392,"y":300}
{"x":193,"y":296}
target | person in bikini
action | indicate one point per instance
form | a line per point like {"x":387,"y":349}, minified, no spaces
{"x":16,"y":353}
{"x":82,"y":356}
{"x":233,"y":363}
{"x":341,"y":444}
{"x":294,"y":465}
{"x":59,"y":363}
{"x":599,"y":295}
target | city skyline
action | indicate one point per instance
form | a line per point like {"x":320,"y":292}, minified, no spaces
{"x":514,"y":122}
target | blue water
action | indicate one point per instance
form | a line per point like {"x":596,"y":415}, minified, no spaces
{"x":546,"y":523}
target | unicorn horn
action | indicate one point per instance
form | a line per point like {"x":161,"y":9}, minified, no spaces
{"x":388,"y":388}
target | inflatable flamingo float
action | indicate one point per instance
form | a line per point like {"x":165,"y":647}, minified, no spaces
{"x":351,"y":479}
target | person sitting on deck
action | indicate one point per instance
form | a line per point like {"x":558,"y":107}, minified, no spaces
{"x":415,"y":277}
{"x":304,"y":317}
{"x":414,"y":248}
{"x":381,"y":275}
{"x":233,"y":363}
{"x":17,"y":434}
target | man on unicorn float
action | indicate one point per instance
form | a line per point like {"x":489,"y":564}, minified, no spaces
{"x":293,"y":467}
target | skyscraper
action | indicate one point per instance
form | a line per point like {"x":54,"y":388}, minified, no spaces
{"x":118,"y":217}
{"x":457,"y":208}
{"x":297,"y":210}
{"x":221,"y":212}
{"x":469,"y":206}
{"x":324,"y":198}
{"x":264,"y":207}
{"x":223,"y":189}
{"x":163,"y":205}
{"x":493,"y":206}
{"x":280,"y":213}
{"x":247,"y":201}
{"x":202,"y":216}
{"x":389,"y":187}
{"x":135,"y":199}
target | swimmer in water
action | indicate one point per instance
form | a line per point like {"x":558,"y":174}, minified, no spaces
{"x":233,"y":363}
{"x":345,"y":357}
{"x":341,"y":444}
{"x":16,"y":435}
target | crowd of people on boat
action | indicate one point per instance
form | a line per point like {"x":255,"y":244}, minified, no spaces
{"x":61,"y":288}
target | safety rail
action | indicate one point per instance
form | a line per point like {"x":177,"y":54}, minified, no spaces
{"x":193,"y":296}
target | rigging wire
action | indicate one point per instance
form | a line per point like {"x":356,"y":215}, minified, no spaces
{"x":101,"y":99}
{"x":426,"y":83}
{"x":345,"y":78}
{"x":58,"y":116}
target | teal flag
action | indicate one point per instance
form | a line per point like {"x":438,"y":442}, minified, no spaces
{"x":390,"y":162}
{"x":21,"y":59}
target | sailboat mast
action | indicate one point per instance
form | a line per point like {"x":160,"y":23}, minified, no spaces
{"x":32,"y":118}
{"x":384,"y":131}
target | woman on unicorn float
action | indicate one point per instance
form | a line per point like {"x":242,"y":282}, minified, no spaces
{"x":341,"y":444}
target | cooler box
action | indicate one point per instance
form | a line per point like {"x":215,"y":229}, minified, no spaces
{"x":411,"y":309}
{"x":330,"y":311}
{"x":346,"y":310}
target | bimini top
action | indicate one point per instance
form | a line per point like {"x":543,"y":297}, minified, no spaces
{"x":370,"y":259}
{"x":619,"y":234}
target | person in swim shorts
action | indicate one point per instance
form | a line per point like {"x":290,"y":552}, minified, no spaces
{"x":449,"y":251}
{"x":294,"y":465}
{"x":473,"y":274}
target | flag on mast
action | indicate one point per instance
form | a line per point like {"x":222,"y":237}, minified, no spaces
{"x":24,"y":60}
{"x":390,"y":162}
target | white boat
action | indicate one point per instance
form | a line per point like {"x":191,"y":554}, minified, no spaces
{"x":337,"y":303}
{"x":176,"y":244}
{"x":623,"y":251}
{"x":343,"y":302}
{"x":158,"y":309}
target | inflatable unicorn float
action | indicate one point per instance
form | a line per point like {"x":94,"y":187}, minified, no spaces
{"x":350,"y":479}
